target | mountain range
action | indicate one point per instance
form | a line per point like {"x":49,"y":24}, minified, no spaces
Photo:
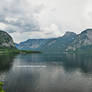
{"x":69,"y":42}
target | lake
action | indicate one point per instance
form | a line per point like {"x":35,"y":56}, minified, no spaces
{"x":46,"y":72}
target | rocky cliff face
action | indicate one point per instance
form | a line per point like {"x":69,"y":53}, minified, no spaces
{"x":82,"y":40}
{"x":6,"y":40}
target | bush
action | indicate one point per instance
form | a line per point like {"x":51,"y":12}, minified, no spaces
{"x":1,"y":87}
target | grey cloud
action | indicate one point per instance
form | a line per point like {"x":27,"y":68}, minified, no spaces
{"x":16,"y":9}
{"x":44,"y":18}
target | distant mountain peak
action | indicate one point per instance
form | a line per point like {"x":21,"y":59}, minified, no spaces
{"x":87,"y":30}
{"x":84,"y":39}
{"x":68,"y":33}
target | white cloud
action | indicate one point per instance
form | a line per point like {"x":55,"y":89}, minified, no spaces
{"x":9,"y":19}
{"x":3,"y":26}
{"x":51,"y":31}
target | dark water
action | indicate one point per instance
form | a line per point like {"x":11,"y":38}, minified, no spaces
{"x":46,"y":73}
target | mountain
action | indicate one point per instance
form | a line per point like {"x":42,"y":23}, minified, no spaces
{"x":48,"y":45}
{"x":59,"y":44}
{"x":69,"y":42}
{"x":33,"y":44}
{"x":6,"y":40}
{"x":83,"y":41}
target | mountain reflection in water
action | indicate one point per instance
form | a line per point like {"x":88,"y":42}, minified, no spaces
{"x":63,"y":73}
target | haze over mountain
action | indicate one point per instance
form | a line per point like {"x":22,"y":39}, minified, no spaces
{"x":69,"y":42}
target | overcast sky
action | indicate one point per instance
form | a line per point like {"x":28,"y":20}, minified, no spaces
{"x":26,"y":19}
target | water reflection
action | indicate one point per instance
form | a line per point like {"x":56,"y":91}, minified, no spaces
{"x":6,"y":61}
{"x":5,"y":64}
{"x":75,"y":61}
{"x":63,"y":73}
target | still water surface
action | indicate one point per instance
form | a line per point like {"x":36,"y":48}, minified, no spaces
{"x":46,"y":73}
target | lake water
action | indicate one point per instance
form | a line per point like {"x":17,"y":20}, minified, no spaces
{"x":46,"y":73}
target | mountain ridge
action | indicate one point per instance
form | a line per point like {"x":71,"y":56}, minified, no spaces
{"x":70,"y":41}
{"x":47,"y":44}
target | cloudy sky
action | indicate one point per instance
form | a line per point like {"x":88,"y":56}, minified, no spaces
{"x":26,"y":19}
